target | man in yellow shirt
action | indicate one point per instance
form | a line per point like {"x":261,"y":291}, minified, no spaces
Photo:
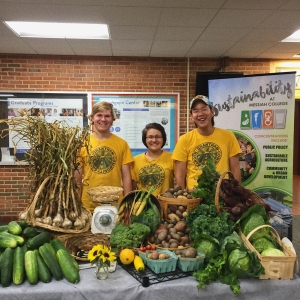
{"x":194,"y":147}
{"x":107,"y":160}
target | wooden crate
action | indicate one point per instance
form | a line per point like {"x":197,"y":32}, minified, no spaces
{"x":276,"y":267}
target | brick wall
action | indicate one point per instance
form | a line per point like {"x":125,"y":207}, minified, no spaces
{"x":100,"y":74}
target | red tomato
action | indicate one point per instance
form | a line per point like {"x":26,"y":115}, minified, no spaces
{"x":153,"y":247}
{"x":148,"y":247}
{"x":143,"y":249}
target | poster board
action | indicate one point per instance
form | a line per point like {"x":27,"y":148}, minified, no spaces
{"x":259,"y":109}
{"x":69,"y":107}
{"x":135,"y":110}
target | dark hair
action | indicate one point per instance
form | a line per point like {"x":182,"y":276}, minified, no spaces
{"x":157,"y":127}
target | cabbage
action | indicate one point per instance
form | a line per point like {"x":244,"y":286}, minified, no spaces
{"x":272,"y":252}
{"x":253,"y":221}
{"x":262,"y":244}
{"x":207,"y":247}
{"x":239,"y":262}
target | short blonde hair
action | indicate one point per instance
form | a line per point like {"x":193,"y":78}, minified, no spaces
{"x":100,"y":106}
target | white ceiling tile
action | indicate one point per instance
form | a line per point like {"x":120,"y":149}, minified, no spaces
{"x":139,"y":45}
{"x":254,"y":4}
{"x":132,"y":32}
{"x":194,"y":3}
{"x":15,"y":45}
{"x":282,"y":19}
{"x":178,"y":33}
{"x":223,"y":33}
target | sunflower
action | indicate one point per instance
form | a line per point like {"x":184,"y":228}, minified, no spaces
{"x":107,"y":256}
{"x":95,"y":253}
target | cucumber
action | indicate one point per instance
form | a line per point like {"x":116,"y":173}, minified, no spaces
{"x":29,"y":232}
{"x":18,"y":238}
{"x":43,"y":270}
{"x":23,"y":224}
{"x":7,"y":241}
{"x":18,"y":266}
{"x":7,"y":267}
{"x":50,"y":248}
{"x":14,"y":228}
{"x":58,"y":244}
{"x":71,"y":273}
{"x":31,"y":267}
{"x":3,"y":228}
{"x":51,"y":262}
{"x":38,"y":240}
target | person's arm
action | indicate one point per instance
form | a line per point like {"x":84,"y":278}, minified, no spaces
{"x":234,"y":165}
{"x":126,"y":179}
{"x":134,"y":185}
{"x":180,"y":172}
{"x":78,"y":179}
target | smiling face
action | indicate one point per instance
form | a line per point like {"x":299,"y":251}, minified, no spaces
{"x":103,"y":120}
{"x":154,"y":139}
{"x":201,"y":115}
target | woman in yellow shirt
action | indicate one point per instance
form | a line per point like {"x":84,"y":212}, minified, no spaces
{"x":154,"y":167}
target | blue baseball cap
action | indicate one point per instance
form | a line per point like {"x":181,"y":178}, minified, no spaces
{"x":200,"y":98}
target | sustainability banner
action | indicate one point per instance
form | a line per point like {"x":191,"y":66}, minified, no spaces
{"x":259,"y":109}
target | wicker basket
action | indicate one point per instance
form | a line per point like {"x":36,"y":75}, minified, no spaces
{"x":188,"y":203}
{"x":32,"y":220}
{"x":83,"y":241}
{"x":105,"y":194}
{"x":276,"y":267}
{"x":252,"y":195}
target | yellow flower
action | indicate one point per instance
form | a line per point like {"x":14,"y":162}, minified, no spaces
{"x":95,"y":252}
{"x":103,"y":253}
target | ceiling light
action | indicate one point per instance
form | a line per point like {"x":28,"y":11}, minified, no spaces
{"x":295,"y":37}
{"x":59,"y":30}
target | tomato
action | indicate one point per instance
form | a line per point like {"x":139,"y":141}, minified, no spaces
{"x":148,"y":247}
{"x":143,"y":249}
{"x":153,"y":247}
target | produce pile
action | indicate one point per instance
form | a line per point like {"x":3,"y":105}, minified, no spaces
{"x":26,"y":253}
{"x":52,"y":158}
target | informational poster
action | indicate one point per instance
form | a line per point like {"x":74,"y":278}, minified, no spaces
{"x":70,"y":108}
{"x":259,"y":109}
{"x":135,"y":111}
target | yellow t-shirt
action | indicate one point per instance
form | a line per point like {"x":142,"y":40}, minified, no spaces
{"x":158,"y":172}
{"x":194,"y":148}
{"x":102,"y":165}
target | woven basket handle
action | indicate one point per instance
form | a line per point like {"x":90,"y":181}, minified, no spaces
{"x":217,"y":194}
{"x":36,"y":196}
{"x":259,"y":227}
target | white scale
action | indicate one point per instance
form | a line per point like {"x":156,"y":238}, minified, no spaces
{"x":104,"y":219}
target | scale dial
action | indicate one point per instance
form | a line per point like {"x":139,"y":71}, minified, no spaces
{"x":104,"y":219}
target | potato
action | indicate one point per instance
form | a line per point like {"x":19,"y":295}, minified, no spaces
{"x":178,"y":213}
{"x":173,"y":241}
{"x":162,"y":236}
{"x":181,"y":234}
{"x":180,"y":226}
{"x":177,"y":188}
{"x":181,"y":208}
{"x":170,"y":226}
{"x":182,"y":197}
{"x":173,"y":220}
{"x":168,"y":195}
{"x":172,"y":231}
{"x":172,"y":207}
{"x":162,"y":256}
{"x":155,"y":255}
{"x":174,"y":245}
{"x":185,"y":240}
{"x":166,"y":245}
{"x":176,"y":237}
{"x":190,"y":252}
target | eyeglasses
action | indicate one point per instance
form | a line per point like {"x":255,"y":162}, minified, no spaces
{"x":153,"y":137}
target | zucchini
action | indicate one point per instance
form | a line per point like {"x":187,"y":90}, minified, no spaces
{"x":7,"y":241}
{"x":38,"y":240}
{"x":43,"y":270}
{"x":18,"y":238}
{"x":31,"y":267}
{"x":14,"y":228}
{"x":71,"y":273}
{"x":29,"y":232}
{"x":7,"y":267}
{"x":58,"y":244}
{"x":51,"y":262}
{"x":3,"y":228}
{"x":18,"y":266}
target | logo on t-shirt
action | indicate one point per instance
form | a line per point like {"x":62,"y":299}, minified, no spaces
{"x":151,"y":175}
{"x":102,"y":160}
{"x":203,"y":151}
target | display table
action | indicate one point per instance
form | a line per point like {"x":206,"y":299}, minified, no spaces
{"x":121,"y":285}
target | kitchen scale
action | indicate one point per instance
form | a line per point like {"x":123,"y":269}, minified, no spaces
{"x":104,"y":218}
